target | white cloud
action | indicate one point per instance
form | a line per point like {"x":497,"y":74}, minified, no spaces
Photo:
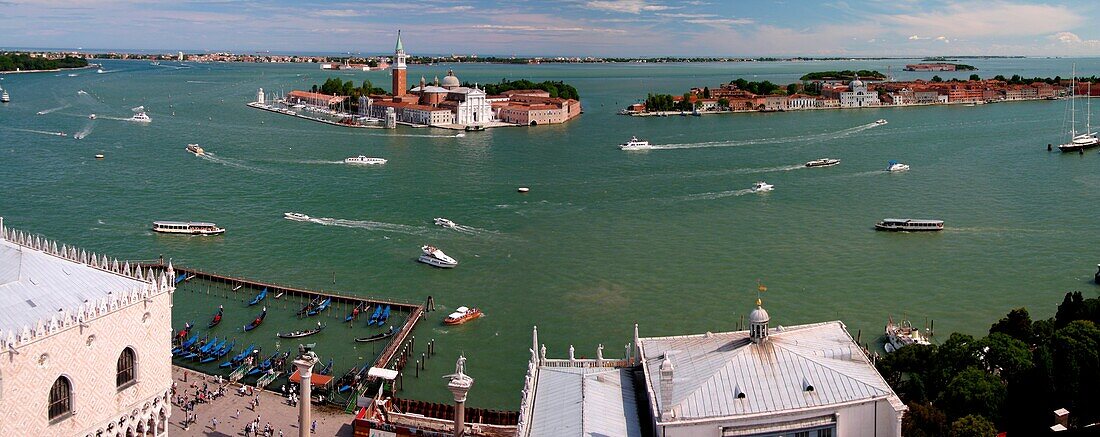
{"x":627,"y":6}
{"x":521,"y":28}
{"x":942,"y":38}
{"x":1066,"y":37}
{"x":986,"y":19}
{"x":720,"y":21}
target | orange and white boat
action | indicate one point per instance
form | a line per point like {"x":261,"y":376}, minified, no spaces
{"x":462,"y":315}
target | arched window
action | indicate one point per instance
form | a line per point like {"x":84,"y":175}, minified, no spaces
{"x":61,"y":398}
{"x":126,"y":370}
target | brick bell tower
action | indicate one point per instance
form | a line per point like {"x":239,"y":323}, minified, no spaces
{"x":400,"y":85}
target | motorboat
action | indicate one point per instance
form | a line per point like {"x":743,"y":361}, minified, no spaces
{"x":440,"y":221}
{"x":635,"y":144}
{"x":364,"y":160}
{"x":909,"y":225}
{"x":462,"y":315}
{"x":823,"y":162}
{"x":523,"y":189}
{"x":4,"y":97}
{"x":190,"y":228}
{"x":91,"y":116}
{"x":762,"y":187}
{"x":196,"y":149}
{"x":894,"y":166}
{"x":296,"y":216}
{"x":100,"y":71}
{"x":899,"y":335}
{"x":880,"y":122}
{"x":435,"y":257}
{"x":98,"y":156}
{"x":139,"y":115}
{"x":460,"y":134}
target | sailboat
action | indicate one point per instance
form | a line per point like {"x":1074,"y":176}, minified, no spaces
{"x":1088,"y":139}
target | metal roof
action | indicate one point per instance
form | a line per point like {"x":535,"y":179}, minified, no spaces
{"x":584,"y":401}
{"x":34,"y":285}
{"x":710,"y":370}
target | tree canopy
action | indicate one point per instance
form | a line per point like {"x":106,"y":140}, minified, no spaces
{"x":24,"y":61}
{"x":556,"y":89}
{"x":844,"y":75}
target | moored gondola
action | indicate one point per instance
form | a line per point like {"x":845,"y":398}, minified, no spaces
{"x":259,"y":297}
{"x":217,"y":317}
{"x":239,"y":357}
{"x":300,"y":334}
{"x":309,"y":306}
{"x":355,"y":312}
{"x":374,"y":317}
{"x":320,"y":307}
{"x":259,"y":319}
{"x":182,"y":334}
{"x":380,"y":336}
{"x":327,"y":369}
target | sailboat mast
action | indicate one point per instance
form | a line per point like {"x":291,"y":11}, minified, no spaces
{"x":1073,"y":104}
{"x":1088,"y":105}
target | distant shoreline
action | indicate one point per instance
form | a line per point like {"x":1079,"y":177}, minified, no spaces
{"x":50,"y":71}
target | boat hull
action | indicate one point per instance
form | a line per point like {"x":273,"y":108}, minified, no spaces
{"x":432,"y":261}
{"x":880,"y":227}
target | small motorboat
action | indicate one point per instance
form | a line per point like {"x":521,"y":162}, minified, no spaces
{"x":762,"y":187}
{"x":635,"y":144}
{"x":259,"y":297}
{"x":355,"y":312}
{"x":462,"y":315}
{"x":380,"y":336}
{"x":523,"y":189}
{"x":259,"y":319}
{"x":217,"y":317}
{"x":98,"y":156}
{"x":435,"y":257}
{"x":460,"y":134}
{"x":440,"y":221}
{"x":894,"y":166}
{"x":300,"y":334}
{"x":320,"y":307}
{"x":296,"y":216}
{"x":91,"y":116}
{"x":823,"y":162}
{"x":880,"y":122}
{"x":196,"y":149}
{"x":899,"y":335}
{"x":364,"y":160}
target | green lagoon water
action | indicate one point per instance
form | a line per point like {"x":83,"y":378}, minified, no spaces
{"x":667,"y":239}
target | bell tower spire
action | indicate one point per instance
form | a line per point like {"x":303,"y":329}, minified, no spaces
{"x":399,"y":81}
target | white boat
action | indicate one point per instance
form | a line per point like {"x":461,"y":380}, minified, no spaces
{"x":899,"y":335}
{"x":364,"y":160}
{"x":4,"y":97}
{"x":190,"y":228}
{"x":1088,"y":139}
{"x":634,"y":144}
{"x":523,"y":189}
{"x":296,"y":216}
{"x":440,"y":221}
{"x":894,"y":166}
{"x":99,"y":156}
{"x":880,"y":122}
{"x":100,"y":71}
{"x":891,"y":224}
{"x":194,"y":148}
{"x":823,"y":162}
{"x":91,"y":116}
{"x":73,"y":75}
{"x":140,"y":117}
{"x":82,"y":92}
{"x":460,"y":134}
{"x":761,"y":187}
{"x":436,"y":257}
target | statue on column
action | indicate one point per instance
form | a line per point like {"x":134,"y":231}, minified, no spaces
{"x":460,"y":366}
{"x":599,"y":352}
{"x":543,"y":351}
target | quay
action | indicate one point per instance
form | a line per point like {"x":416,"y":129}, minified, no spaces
{"x":283,"y":111}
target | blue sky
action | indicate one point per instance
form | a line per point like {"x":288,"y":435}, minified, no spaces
{"x":564,"y":27}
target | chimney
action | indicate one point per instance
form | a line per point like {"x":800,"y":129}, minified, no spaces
{"x":666,"y":388}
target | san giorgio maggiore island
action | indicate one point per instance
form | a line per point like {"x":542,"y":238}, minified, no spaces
{"x":446,"y":103}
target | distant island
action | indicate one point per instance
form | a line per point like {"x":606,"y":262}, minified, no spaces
{"x":939,"y":66}
{"x":843,"y":75}
{"x":26,"y":62}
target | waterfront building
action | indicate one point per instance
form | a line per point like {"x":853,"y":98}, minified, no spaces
{"x":314,"y":99}
{"x":86,"y":342}
{"x":775,"y":103}
{"x":858,"y":96}
{"x":801,"y":101}
{"x":802,"y":380}
{"x":400,"y":83}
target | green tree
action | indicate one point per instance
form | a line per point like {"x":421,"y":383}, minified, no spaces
{"x":1000,"y":78}
{"x":1017,"y":324}
{"x":1004,"y":354}
{"x":975,"y":77}
{"x":792,"y":88}
{"x":723,"y":103}
{"x":937,"y":79}
{"x":923,"y":420}
{"x":973,"y":391}
{"x":1076,"y":353}
{"x":706,"y":92}
{"x":973,"y":426}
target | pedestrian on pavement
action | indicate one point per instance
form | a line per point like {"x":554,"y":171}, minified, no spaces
{"x":238,"y":415}
{"x":214,"y":423}
{"x":313,"y":428}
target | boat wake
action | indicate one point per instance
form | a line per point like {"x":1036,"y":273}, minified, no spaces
{"x":717,"y":195}
{"x":470,"y":230}
{"x":369,"y":225}
{"x":780,"y":140}
{"x":47,"y":111}
{"x":229,"y":162}
{"x":43,"y":132}
{"x":414,"y":135}
{"x":85,"y":131}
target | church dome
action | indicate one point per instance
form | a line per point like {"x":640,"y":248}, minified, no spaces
{"x":855,"y":83}
{"x":450,"y":81}
{"x":759,"y":315}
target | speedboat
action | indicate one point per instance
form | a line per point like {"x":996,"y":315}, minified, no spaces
{"x":140,"y":116}
{"x":823,"y":162}
{"x":899,"y":335}
{"x":91,"y":116}
{"x":440,"y":221}
{"x":460,"y":134}
{"x":436,"y":257}
{"x":99,"y":156}
{"x":194,"y":148}
{"x":296,"y":216}
{"x":896,"y":166}
{"x":880,"y":122}
{"x":761,"y":187}
{"x":523,"y":189}
{"x":462,"y":315}
{"x":634,"y":144}
{"x":364,"y":160}
{"x":100,"y":71}
{"x":4,"y":97}
{"x":909,"y":225}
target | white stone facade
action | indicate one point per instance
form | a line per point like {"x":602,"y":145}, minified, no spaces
{"x":473,"y":108}
{"x":83,"y":344}
{"x":858,"y":96}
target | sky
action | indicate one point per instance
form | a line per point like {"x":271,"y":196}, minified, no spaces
{"x":627,"y":28}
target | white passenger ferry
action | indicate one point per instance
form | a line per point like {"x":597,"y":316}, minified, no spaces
{"x":364,"y":160}
{"x":190,"y":228}
{"x":634,"y":144}
{"x":909,"y":225}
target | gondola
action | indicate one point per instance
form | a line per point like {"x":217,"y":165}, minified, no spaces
{"x":263,"y":365}
{"x":320,"y":307}
{"x":218,"y":353}
{"x":327,"y":369}
{"x":238,"y":358}
{"x":182,"y":334}
{"x":385,"y":316}
{"x":257,"y":322}
{"x":194,"y":346}
{"x":380,"y":336}
{"x":355,"y":312}
{"x":259,"y":297}
{"x":309,"y":306}
{"x":348,"y":380}
{"x":300,"y":334}
{"x":206,"y":347}
{"x":374,"y":317}
{"x":217,"y":318}
{"x":186,"y":344}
